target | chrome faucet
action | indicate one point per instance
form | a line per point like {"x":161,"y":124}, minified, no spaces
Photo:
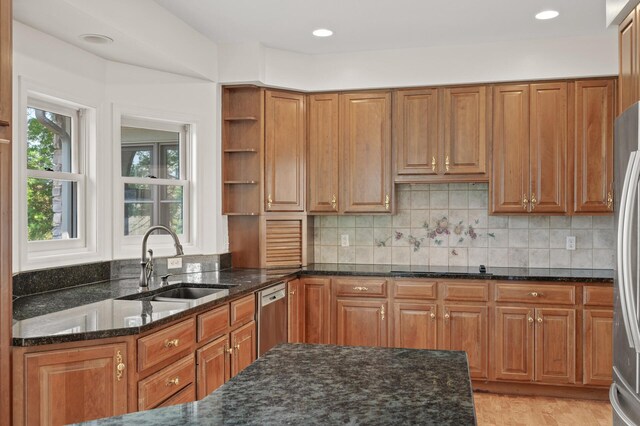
{"x":146,"y":265}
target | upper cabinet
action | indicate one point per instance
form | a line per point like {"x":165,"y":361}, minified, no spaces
{"x":323,"y":154}
{"x":593,"y":147}
{"x":5,"y":64}
{"x":529,"y":173}
{"x":284,"y":151}
{"x":628,"y":92}
{"x":441,"y":134}
{"x":365,"y":140}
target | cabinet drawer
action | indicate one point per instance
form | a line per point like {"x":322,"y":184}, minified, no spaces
{"x":466,"y":292}
{"x":598,"y":296}
{"x":187,"y":394}
{"x":213,"y":324}
{"x":164,"y":344}
{"x":424,"y":290}
{"x":243,"y":310}
{"x":165,"y":383}
{"x":374,"y":288}
{"x":539,"y":294}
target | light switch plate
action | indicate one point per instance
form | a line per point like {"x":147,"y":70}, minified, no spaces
{"x":344,"y":240}
{"x":174,"y":263}
{"x":571,"y":243}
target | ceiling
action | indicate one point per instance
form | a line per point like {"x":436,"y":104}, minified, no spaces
{"x":360,"y":25}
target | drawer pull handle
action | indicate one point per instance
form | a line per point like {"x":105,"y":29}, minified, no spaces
{"x":119,"y":366}
{"x":535,"y":294}
{"x":361,"y":288}
{"x":171,"y":343}
{"x":433,"y":315}
{"x":173,"y":382}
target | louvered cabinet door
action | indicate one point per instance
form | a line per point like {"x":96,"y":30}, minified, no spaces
{"x":282,"y":240}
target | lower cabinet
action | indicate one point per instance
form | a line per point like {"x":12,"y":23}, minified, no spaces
{"x":213,"y":366}
{"x":244,"y":344}
{"x":164,"y":385}
{"x":465,"y":328}
{"x":361,"y":322}
{"x":415,"y":325}
{"x":73,"y":385}
{"x":293,"y":312}
{"x":598,"y":346}
{"x":315,"y":310}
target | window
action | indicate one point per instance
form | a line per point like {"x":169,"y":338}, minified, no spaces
{"x":54,"y":177}
{"x":154,"y":175}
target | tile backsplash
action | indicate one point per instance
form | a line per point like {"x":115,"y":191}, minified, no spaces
{"x":448,"y":225}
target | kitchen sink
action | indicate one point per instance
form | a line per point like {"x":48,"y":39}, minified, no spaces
{"x":182,"y":293}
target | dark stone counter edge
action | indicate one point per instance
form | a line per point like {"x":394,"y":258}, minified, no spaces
{"x":103,"y":334}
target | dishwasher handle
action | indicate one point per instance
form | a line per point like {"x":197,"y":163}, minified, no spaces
{"x":269,"y":297}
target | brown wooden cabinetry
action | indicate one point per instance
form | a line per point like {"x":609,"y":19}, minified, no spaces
{"x":598,"y":346}
{"x":244,"y":343}
{"x":361,"y":322}
{"x":284,"y":179}
{"x":628,"y":82}
{"x":441,"y":134}
{"x":315,"y":310}
{"x":466,"y":328}
{"x":294,"y":309}
{"x":213,"y":366}
{"x":415,"y":325}
{"x":73,"y":385}
{"x":514,"y":343}
{"x":555,"y":345}
{"x":324,"y":154}
{"x":593,"y":146}
{"x":365,"y":140}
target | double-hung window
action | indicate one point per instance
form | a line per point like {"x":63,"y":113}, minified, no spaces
{"x":154,"y":175}
{"x":55,"y":176}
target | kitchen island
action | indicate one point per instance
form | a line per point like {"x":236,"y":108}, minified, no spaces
{"x":326,"y":384}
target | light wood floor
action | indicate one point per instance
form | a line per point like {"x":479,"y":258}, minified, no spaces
{"x":494,"y":410}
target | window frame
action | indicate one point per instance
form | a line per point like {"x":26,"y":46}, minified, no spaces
{"x":79,"y":137}
{"x":129,"y":245}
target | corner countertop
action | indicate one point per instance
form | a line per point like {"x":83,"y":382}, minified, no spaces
{"x":326,"y":384}
{"x":106,"y":309}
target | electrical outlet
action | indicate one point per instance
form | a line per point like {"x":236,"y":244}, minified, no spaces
{"x":571,"y":243}
{"x":174,"y":263}
{"x":344,"y":240}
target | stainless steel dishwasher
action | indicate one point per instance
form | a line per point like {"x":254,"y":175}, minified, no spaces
{"x":272,"y":317}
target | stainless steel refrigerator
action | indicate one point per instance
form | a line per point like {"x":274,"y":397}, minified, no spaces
{"x":625,"y":390}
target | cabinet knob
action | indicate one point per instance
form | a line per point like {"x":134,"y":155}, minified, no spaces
{"x":433,"y":315}
{"x":119,"y":366}
{"x":228,"y":350}
{"x":171,"y":343}
{"x":535,"y":294}
{"x":292,"y":292}
{"x":539,"y":319}
{"x":446,"y":163}
{"x":382,"y":312}
{"x":387,"y":202}
{"x":609,"y":199}
{"x":237,"y":347}
{"x":269,"y":201}
{"x":173,"y":382}
{"x":334,"y":202}
{"x":446,"y":316}
{"x":525,"y":202}
{"x":530,"y":319}
{"x":534,"y":201}
{"x":434,"y":167}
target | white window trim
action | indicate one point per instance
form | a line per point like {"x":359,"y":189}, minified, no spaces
{"x":40,"y":254}
{"x":125,"y":247}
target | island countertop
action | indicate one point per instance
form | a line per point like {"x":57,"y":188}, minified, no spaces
{"x":326,"y":384}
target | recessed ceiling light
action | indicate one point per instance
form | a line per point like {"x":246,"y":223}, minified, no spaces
{"x":547,"y":14}
{"x":322,"y":32}
{"x":96,"y":38}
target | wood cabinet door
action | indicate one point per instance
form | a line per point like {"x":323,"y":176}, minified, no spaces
{"x":324,"y":160}
{"x":598,"y":347}
{"x":548,"y":148}
{"x":465,"y":130}
{"x":244,"y":347}
{"x":75,"y":385}
{"x":509,"y":185}
{"x":213,"y":366}
{"x":628,"y":68}
{"x":361,"y":322}
{"x":415,"y":325}
{"x":366,"y":152}
{"x":593,"y":149}
{"x":555,"y":345}
{"x":315,"y":310}
{"x":465,"y":328}
{"x":416,"y":124}
{"x":284,"y":178}
{"x":293,"y":318}
{"x":514,"y":343}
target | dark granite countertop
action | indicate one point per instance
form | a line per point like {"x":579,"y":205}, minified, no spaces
{"x":105,"y":309}
{"x":604,"y":276}
{"x":324,"y":384}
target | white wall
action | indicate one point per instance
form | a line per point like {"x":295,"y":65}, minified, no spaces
{"x":50,"y":66}
{"x":505,"y":61}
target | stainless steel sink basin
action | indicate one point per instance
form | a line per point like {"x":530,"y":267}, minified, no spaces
{"x":185,"y":293}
